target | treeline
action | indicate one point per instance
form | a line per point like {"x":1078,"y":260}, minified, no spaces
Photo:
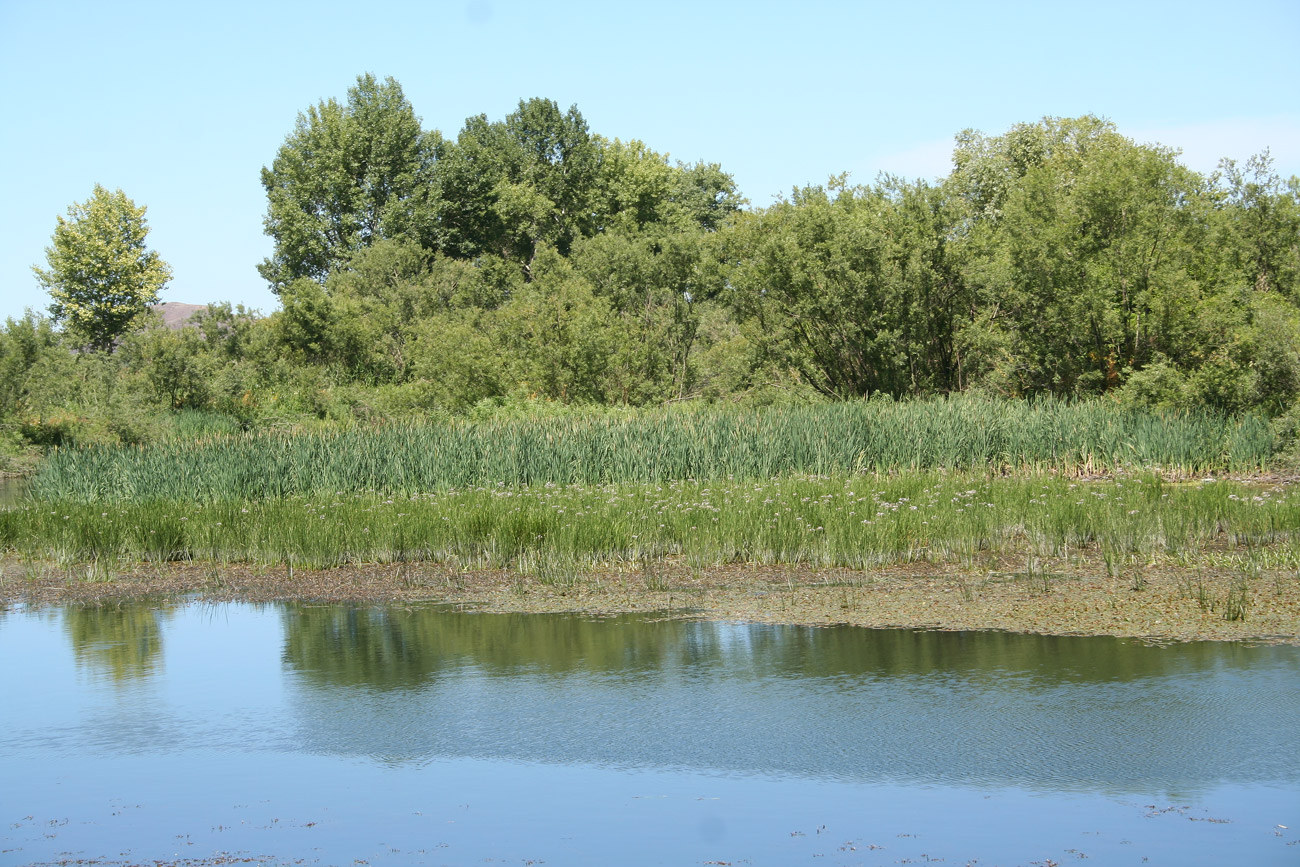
{"x":530,"y":261}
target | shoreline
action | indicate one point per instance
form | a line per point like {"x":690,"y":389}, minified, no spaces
{"x":1158,"y":604}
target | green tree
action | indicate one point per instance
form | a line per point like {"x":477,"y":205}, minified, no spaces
{"x":32,"y":358}
{"x":457,"y":361}
{"x":1262,"y":213}
{"x":555,"y":333}
{"x":657,"y":285}
{"x":853,"y":287}
{"x":510,"y":187}
{"x":175,"y":363}
{"x":346,"y":177}
{"x":101,"y":276}
{"x":1085,"y":253}
{"x":638,"y":187}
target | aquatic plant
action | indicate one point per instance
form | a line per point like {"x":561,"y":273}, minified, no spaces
{"x":856,"y":521}
{"x":956,"y":434}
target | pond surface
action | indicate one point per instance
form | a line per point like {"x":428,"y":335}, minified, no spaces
{"x":344,"y":735}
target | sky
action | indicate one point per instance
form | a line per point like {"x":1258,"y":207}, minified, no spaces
{"x":180,"y":105}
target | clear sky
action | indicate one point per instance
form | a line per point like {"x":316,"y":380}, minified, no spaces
{"x":181,"y":104}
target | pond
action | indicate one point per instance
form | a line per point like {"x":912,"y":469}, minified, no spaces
{"x":352,"y":735}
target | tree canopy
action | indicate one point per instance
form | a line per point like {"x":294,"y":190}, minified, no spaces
{"x":346,"y":177}
{"x":101,"y":276}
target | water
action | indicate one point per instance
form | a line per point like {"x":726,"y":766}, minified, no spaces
{"x":336,"y":735}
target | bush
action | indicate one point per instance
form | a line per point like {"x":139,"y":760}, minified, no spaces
{"x":1159,"y":385}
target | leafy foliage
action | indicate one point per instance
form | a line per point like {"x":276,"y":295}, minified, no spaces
{"x":532,"y":266}
{"x":102,"y":277}
{"x":346,"y":177}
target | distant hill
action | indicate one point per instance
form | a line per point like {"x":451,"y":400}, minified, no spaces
{"x":176,"y":315}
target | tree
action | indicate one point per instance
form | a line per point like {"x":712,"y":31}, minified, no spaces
{"x":638,"y":187}
{"x":657,"y":283}
{"x":1262,"y":232}
{"x":514,"y":186}
{"x":346,"y":177}
{"x":101,"y":275}
{"x":539,"y":179}
{"x":1086,"y":252}
{"x":853,"y":287}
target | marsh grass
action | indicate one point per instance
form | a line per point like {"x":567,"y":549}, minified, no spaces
{"x":1237,"y":602}
{"x":97,"y":570}
{"x":1139,"y":583}
{"x":555,"y":532}
{"x":1195,"y":588}
{"x":655,"y":574}
{"x":1037,"y":578}
{"x":964,"y":587}
{"x":959,"y":434}
{"x":549,"y":567}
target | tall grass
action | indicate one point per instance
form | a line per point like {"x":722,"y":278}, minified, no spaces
{"x":853,"y":521}
{"x":962,"y":433}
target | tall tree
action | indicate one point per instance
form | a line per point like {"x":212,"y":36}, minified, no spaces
{"x":1262,"y":213}
{"x":102,"y":277}
{"x":1087,"y":258}
{"x":347,"y":176}
{"x":638,"y":187}
{"x":516,"y":185}
{"x":853,"y":287}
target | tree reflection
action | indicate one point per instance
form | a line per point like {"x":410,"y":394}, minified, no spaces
{"x":407,"y":685}
{"x":122,"y":641}
{"x":370,"y":647}
{"x":391,"y":648}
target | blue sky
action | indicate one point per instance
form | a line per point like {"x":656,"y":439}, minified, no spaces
{"x":180,"y":105}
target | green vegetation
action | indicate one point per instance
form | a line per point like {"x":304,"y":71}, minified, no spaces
{"x":528,"y":264}
{"x":101,"y":276}
{"x":556,"y":531}
{"x":960,"y":433}
{"x":533,"y":347}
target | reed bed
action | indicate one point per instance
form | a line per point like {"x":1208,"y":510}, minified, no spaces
{"x":854,"y":521}
{"x":953,"y":434}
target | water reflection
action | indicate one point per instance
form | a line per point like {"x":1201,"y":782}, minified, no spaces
{"x":374,"y":648}
{"x":576,"y":741}
{"x":390,"y":648}
{"x":122,"y":642}
{"x":402,"y":648}
{"x":409,"y":686}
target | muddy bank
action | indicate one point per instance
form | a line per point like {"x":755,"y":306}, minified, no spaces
{"x":1077,"y":597}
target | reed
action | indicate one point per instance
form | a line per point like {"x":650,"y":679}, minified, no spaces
{"x":952,"y":434}
{"x":856,"y":521}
